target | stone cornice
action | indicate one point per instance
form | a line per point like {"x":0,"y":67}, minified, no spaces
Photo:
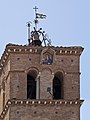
{"x":19,"y":49}
{"x":38,"y":103}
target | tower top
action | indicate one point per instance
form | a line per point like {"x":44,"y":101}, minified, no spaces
{"x":37,"y":36}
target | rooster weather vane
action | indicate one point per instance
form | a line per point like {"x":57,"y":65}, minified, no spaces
{"x":37,"y":36}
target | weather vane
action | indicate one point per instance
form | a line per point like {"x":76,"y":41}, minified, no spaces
{"x":38,"y":16}
{"x":37,"y":36}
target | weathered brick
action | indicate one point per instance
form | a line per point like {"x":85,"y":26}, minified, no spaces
{"x":22,"y":60}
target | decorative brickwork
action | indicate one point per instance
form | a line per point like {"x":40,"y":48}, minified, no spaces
{"x":44,"y":65}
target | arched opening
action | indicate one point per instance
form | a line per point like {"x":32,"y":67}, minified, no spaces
{"x":58,"y":86}
{"x":31,"y":85}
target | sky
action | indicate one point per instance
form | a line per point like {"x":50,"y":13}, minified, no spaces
{"x":67,"y":24}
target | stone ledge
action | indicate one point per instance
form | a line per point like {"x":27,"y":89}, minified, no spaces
{"x":43,"y":102}
{"x":38,"y":102}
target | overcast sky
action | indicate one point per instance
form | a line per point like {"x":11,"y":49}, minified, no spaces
{"x":67,"y":24}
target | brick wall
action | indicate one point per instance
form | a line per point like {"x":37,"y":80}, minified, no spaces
{"x":44,"y":112}
{"x":20,"y":60}
{"x":22,"y":63}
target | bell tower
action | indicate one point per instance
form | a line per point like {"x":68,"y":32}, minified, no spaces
{"x":39,"y":81}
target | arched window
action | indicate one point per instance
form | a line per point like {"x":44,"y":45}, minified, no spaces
{"x":31,"y":85}
{"x":58,"y":86}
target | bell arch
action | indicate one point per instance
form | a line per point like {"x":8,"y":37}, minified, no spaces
{"x":31,"y":84}
{"x":58,"y":85}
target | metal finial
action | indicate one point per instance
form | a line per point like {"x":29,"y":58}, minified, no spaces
{"x":38,"y":16}
{"x":35,"y":8}
{"x":35,"y":21}
{"x":37,"y":36}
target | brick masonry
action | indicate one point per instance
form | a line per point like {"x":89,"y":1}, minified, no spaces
{"x":17,"y":61}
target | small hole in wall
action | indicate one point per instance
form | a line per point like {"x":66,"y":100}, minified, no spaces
{"x":35,"y":112}
{"x":56,"y":112}
{"x":30,"y":59}
{"x":72,"y":87}
{"x":17,"y":112}
{"x":62,"y":60}
{"x":18,"y":86}
{"x":71,"y":60}
{"x":72,"y":112}
{"x":18,"y":58}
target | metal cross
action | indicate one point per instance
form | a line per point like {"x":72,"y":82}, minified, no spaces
{"x":35,"y":9}
{"x":35,"y":21}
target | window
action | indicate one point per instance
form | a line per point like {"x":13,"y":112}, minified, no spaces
{"x":31,"y":87}
{"x":58,"y":86}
